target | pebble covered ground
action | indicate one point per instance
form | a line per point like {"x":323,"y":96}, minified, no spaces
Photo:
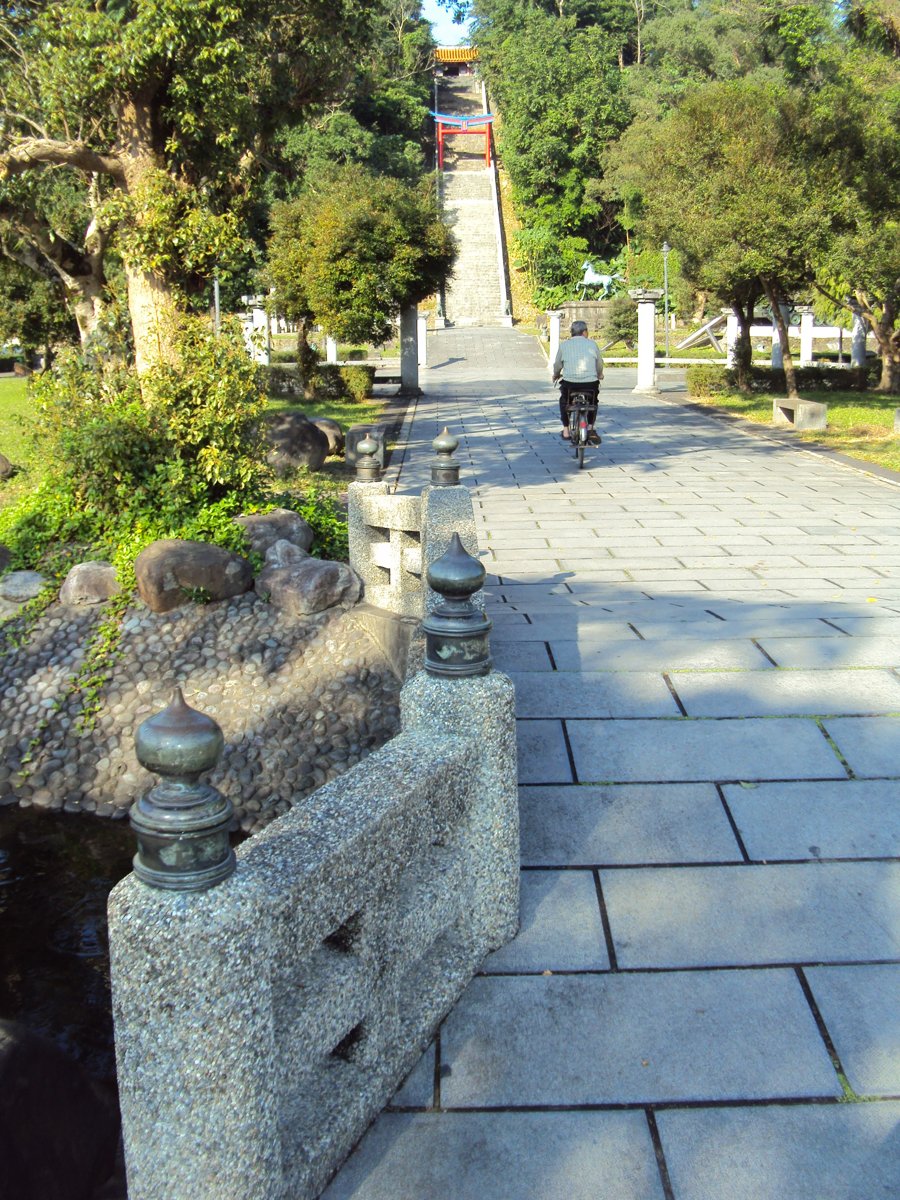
{"x":299,"y":701}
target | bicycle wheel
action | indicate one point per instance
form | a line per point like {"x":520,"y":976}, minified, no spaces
{"x":580,"y":453}
{"x":582,"y":438}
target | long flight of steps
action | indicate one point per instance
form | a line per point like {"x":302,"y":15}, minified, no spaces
{"x":473,"y":294}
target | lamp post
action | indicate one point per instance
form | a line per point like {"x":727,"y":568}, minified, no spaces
{"x":666,"y":248}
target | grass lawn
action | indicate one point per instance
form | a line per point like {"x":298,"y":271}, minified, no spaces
{"x":15,"y":439}
{"x":860,"y":424}
{"x":345,"y":412}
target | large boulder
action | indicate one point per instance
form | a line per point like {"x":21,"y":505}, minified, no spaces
{"x":19,"y":586}
{"x":6,"y":467}
{"x":89,"y":583}
{"x":333,"y":432}
{"x":299,"y":585}
{"x":58,"y":1134}
{"x":294,"y":442}
{"x":168,"y":569}
{"x":265,"y":529}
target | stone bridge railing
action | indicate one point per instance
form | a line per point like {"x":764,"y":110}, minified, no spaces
{"x":267,"y":1007}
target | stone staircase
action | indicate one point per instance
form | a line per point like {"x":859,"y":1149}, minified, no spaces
{"x":472,"y":296}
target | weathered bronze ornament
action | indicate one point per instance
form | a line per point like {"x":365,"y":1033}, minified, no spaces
{"x":456,"y":632}
{"x":181,"y":824}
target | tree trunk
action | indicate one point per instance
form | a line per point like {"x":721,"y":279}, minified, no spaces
{"x":743,"y":351}
{"x":151,"y":301}
{"x":887,"y":336}
{"x":774,"y":297}
{"x":307,"y":359}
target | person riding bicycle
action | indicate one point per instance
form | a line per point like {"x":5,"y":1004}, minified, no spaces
{"x":579,"y":367}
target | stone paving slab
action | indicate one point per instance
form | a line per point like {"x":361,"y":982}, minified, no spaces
{"x":781,"y":693}
{"x":849,"y":819}
{"x":686,"y":750}
{"x":809,"y":1152}
{"x":543,"y":757}
{"x":560,"y":926}
{"x":503,"y":1156}
{"x":747,"y":915}
{"x":871,"y":745}
{"x":625,"y":824}
{"x":861,"y":1009}
{"x":621,"y":1039}
{"x":821,"y":652}
{"x":520,"y":655}
{"x":693,"y":653}
{"x":594,"y":694}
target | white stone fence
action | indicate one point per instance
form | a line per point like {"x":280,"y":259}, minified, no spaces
{"x":261,"y":1024}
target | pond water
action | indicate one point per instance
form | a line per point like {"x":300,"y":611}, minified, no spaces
{"x":56,"y":871}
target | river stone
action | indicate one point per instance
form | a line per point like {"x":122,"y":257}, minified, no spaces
{"x":6,"y":467}
{"x":18,"y":586}
{"x":284,"y":554}
{"x":265,"y":529}
{"x":294,"y":442}
{"x":58,"y":1135}
{"x":333,"y":432}
{"x":89,"y":583}
{"x":309,"y":586}
{"x":167,"y":568}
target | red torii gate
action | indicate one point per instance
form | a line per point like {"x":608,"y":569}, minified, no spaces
{"x":446,"y":125}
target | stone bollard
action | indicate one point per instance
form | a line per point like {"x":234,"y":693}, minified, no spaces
{"x":554,"y":319}
{"x":897,"y":420}
{"x":456,"y":632}
{"x":181,"y":824}
{"x":444,"y":470}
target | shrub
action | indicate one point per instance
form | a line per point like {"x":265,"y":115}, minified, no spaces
{"x":709,"y":379}
{"x":328,"y":383}
{"x":358,"y":381}
{"x":620,"y":321}
{"x":816,"y":379}
{"x":283,"y":356}
{"x":282,"y":381}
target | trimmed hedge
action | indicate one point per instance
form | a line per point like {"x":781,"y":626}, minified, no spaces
{"x":713,"y":379}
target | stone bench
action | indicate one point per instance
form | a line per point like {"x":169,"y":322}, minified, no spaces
{"x":800,"y":414}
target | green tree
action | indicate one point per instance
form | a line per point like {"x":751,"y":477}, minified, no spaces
{"x":33,"y":312}
{"x":159,"y":105}
{"x":352,"y":251}
{"x":736,"y":194}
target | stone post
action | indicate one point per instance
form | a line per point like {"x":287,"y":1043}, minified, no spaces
{"x":646,"y":299}
{"x":807,"y":323}
{"x":409,"y":352}
{"x":554,"y":321}
{"x":858,"y":344}
{"x":777,"y":356}
{"x":421,"y":332}
{"x":330,"y":350}
{"x":732,"y":333}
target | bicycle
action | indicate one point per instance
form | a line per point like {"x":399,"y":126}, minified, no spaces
{"x":578,"y":406}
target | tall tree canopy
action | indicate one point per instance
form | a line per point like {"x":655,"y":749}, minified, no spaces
{"x":162,"y":107}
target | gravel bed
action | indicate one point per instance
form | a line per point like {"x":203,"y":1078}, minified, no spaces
{"x":299,"y":701}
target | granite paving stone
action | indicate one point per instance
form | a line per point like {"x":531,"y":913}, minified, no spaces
{"x":520,"y":655}
{"x":560,"y":928}
{"x":846,"y":819}
{"x":503,"y":1156}
{"x":870,"y":745}
{"x":684,"y":750}
{"x":780,"y":693}
{"x":744,"y":915}
{"x":821,"y":652}
{"x":621,"y":1039}
{"x":624,"y":823}
{"x":543,"y":757}
{"x":861,"y":1011}
{"x":809,"y":1152}
{"x":658,"y":654}
{"x":598,"y":694}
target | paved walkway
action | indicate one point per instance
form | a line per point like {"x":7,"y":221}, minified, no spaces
{"x":704,"y":631}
